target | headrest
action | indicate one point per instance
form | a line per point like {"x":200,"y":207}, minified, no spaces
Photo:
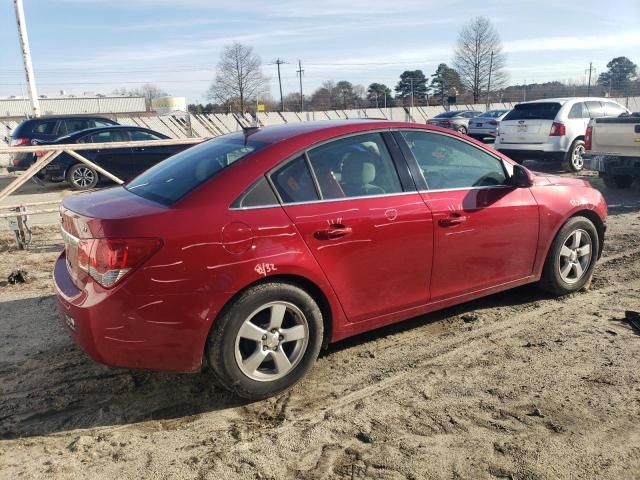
{"x":358,"y":168}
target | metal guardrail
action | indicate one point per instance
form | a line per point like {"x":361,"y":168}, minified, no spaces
{"x":20,"y":212}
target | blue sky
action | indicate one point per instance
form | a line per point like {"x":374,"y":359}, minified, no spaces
{"x":98,"y":45}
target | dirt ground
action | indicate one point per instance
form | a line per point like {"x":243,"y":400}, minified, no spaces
{"x":517,"y":385}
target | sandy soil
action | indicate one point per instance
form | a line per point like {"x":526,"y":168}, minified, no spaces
{"x":517,"y":385}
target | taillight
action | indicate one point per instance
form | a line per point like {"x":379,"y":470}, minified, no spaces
{"x":41,"y":154}
{"x":557,"y":130}
{"x":493,"y":122}
{"x":587,"y":138}
{"x":108,"y":260}
{"x":445,"y":123}
{"x":15,"y":142}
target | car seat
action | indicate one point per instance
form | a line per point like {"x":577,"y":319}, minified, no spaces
{"x":359,"y":173}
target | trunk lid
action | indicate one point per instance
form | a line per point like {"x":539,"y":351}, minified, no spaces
{"x":529,"y":122}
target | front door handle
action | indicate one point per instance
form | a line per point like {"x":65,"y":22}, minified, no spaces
{"x":454,"y":219}
{"x":333,"y":232}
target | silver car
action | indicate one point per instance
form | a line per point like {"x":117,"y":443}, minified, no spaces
{"x":457,"y":120}
{"x":486,"y":125}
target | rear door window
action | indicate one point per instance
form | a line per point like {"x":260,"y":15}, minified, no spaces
{"x":103,"y":137}
{"x":534,"y":111}
{"x":71,"y":125}
{"x":294,"y":182}
{"x":102,"y":123}
{"x":578,"y":111}
{"x":355,"y":166}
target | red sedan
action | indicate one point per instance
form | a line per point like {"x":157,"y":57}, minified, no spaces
{"x":250,"y":252}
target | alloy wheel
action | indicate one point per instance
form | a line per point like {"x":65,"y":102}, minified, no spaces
{"x":271,"y":341}
{"x":83,"y":177}
{"x":577,"y":159}
{"x":575,"y":256}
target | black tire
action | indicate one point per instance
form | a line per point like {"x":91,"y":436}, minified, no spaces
{"x":462,"y":129}
{"x":552,"y":279}
{"x":81,"y":177}
{"x":223,"y":345}
{"x":617,"y":181}
{"x":573,"y":160}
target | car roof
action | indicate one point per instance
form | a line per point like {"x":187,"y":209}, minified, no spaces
{"x":330,"y":128}
{"x":63,"y":117}
{"x":563,"y":100}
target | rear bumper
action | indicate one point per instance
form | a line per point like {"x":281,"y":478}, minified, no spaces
{"x":613,"y":164}
{"x":122,"y":330}
{"x":518,"y":154}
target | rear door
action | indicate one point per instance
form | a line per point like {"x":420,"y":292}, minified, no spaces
{"x":485,"y":232}
{"x":528,"y":123}
{"x":113,"y":160}
{"x":370,"y":232}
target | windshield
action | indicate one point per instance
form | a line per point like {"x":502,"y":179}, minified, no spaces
{"x":447,"y":114}
{"x":534,"y":111}
{"x":493,"y":113}
{"x":176,"y":176}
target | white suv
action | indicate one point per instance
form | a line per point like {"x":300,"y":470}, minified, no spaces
{"x":552,"y":129}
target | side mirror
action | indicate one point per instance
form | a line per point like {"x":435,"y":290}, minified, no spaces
{"x":521,"y":178}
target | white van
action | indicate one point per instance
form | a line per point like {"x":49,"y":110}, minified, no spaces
{"x":552,"y":129}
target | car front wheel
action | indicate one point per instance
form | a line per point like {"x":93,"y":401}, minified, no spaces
{"x":82,"y":177}
{"x":266,"y":340}
{"x":462,"y":129}
{"x":571,"y":258}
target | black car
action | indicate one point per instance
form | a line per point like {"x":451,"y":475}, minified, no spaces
{"x":123,"y":162}
{"x":49,"y":128}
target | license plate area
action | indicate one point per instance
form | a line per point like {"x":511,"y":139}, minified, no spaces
{"x":522,"y":128}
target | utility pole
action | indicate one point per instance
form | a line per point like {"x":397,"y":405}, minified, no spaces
{"x":411,"y":80}
{"x":589,"y":83}
{"x":300,"y":71}
{"x":489,"y":83}
{"x":524,"y":92}
{"x":26,"y":57}
{"x":278,"y":63}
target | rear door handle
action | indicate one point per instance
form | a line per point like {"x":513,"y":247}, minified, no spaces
{"x":453,"y":220}
{"x":333,"y":232}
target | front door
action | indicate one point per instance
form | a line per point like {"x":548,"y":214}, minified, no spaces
{"x":372,"y":239}
{"x":486,"y":232}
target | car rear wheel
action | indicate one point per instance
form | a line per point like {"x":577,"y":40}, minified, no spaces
{"x":82,"y":177}
{"x":571,"y":258}
{"x":574,"y":161}
{"x":266,"y":340}
{"x":617,"y":181}
{"x":462,"y":129}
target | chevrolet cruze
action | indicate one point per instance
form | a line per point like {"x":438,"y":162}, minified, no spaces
{"x":250,"y":252}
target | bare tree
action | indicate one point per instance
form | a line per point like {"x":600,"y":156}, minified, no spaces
{"x":149,"y":91}
{"x":238,"y":76}
{"x":478,"y":57}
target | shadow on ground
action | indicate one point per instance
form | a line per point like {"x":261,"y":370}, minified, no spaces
{"x":49,"y":385}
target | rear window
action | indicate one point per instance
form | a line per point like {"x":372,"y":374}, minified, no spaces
{"x":534,"y":111}
{"x":176,"y":176}
{"x":492,"y":114}
{"x":447,"y":114}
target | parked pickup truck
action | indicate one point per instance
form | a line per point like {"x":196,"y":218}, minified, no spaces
{"x":613,"y":149}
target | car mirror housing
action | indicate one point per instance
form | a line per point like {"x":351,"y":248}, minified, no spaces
{"x":521,"y":178}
